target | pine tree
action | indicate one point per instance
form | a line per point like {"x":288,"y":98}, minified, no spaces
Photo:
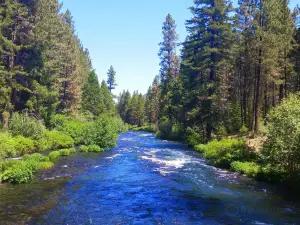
{"x":111,"y":79}
{"x":169,"y":65}
{"x":108,"y":99}
{"x":14,"y":39}
{"x":209,"y":60}
{"x":92,"y":96}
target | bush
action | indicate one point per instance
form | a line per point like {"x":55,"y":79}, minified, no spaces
{"x":55,"y":140}
{"x":251,"y":169}
{"x":21,"y":172}
{"x":24,"y":145}
{"x":67,"y":151}
{"x":46,"y":165}
{"x":37,"y":157}
{"x":54,"y":155}
{"x":170,"y":131}
{"x":5,"y":164}
{"x":223,"y":153}
{"x":165,"y":128}
{"x":84,"y":148}
{"x":102,"y":132}
{"x":24,"y":125}
{"x":243,"y":130}
{"x":95,"y":148}
{"x":7,"y":146}
{"x":282,"y":147}
{"x":64,"y":152}
{"x":193,"y":136}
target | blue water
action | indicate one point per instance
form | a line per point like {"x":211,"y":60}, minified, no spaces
{"x":143,"y":180}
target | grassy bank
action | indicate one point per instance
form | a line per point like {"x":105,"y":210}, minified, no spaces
{"x":27,"y":138}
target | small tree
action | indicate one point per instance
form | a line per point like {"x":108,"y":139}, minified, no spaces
{"x":111,"y":79}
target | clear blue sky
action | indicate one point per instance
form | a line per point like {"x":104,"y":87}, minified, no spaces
{"x":126,"y":34}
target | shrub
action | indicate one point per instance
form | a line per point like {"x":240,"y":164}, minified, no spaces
{"x":37,"y":157}
{"x":165,"y":127}
{"x":102,"y":132}
{"x":7,"y":146}
{"x":58,"y":121}
{"x":243,"y":130}
{"x":84,"y":148}
{"x":76,"y":130}
{"x":95,"y":148}
{"x":54,"y":155}
{"x":23,"y":124}
{"x":282,"y":147}
{"x":55,"y":140}
{"x":20,"y":172}
{"x":24,"y":145}
{"x":223,"y":153}
{"x":251,"y":169}
{"x":5,"y":164}
{"x":46,"y":165}
{"x":64,"y":152}
{"x":193,"y":136}
{"x":67,"y":151}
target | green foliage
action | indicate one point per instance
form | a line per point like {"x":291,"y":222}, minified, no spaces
{"x":92,"y":98}
{"x":7,"y":146}
{"x":193,"y":136}
{"x":171,"y":131}
{"x":102,"y":132}
{"x":37,"y":157}
{"x":111,"y":79}
{"x":84,"y":148}
{"x":21,"y":172}
{"x":243,"y":130}
{"x":95,"y":148}
{"x":54,"y":155}
{"x":223,"y":153}
{"x":67,"y":151}
{"x":5,"y":164}
{"x":55,"y":140}
{"x":46,"y":165}
{"x":23,"y":124}
{"x":283,"y":144}
{"x":73,"y":127}
{"x":251,"y":169}
{"x":24,"y":145}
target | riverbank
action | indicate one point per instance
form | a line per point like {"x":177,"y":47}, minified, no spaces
{"x":32,"y":146}
{"x":144,"y":180}
{"x":237,"y":154}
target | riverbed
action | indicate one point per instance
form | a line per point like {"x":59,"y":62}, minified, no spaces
{"x":144,"y":180}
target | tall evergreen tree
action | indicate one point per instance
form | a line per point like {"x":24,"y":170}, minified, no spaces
{"x":169,"y":65}
{"x":209,"y":51}
{"x":108,"y":99}
{"x":92,"y":99}
{"x":15,"y":29}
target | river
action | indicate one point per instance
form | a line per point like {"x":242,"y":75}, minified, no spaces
{"x":143,"y":181}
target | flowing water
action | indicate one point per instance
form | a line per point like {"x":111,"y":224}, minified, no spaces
{"x":143,"y":180}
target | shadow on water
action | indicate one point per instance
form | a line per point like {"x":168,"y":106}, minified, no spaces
{"x":143,"y":181}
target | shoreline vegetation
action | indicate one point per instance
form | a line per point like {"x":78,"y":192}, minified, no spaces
{"x":31,"y":139}
{"x":271,"y":156}
{"x":50,"y":95}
